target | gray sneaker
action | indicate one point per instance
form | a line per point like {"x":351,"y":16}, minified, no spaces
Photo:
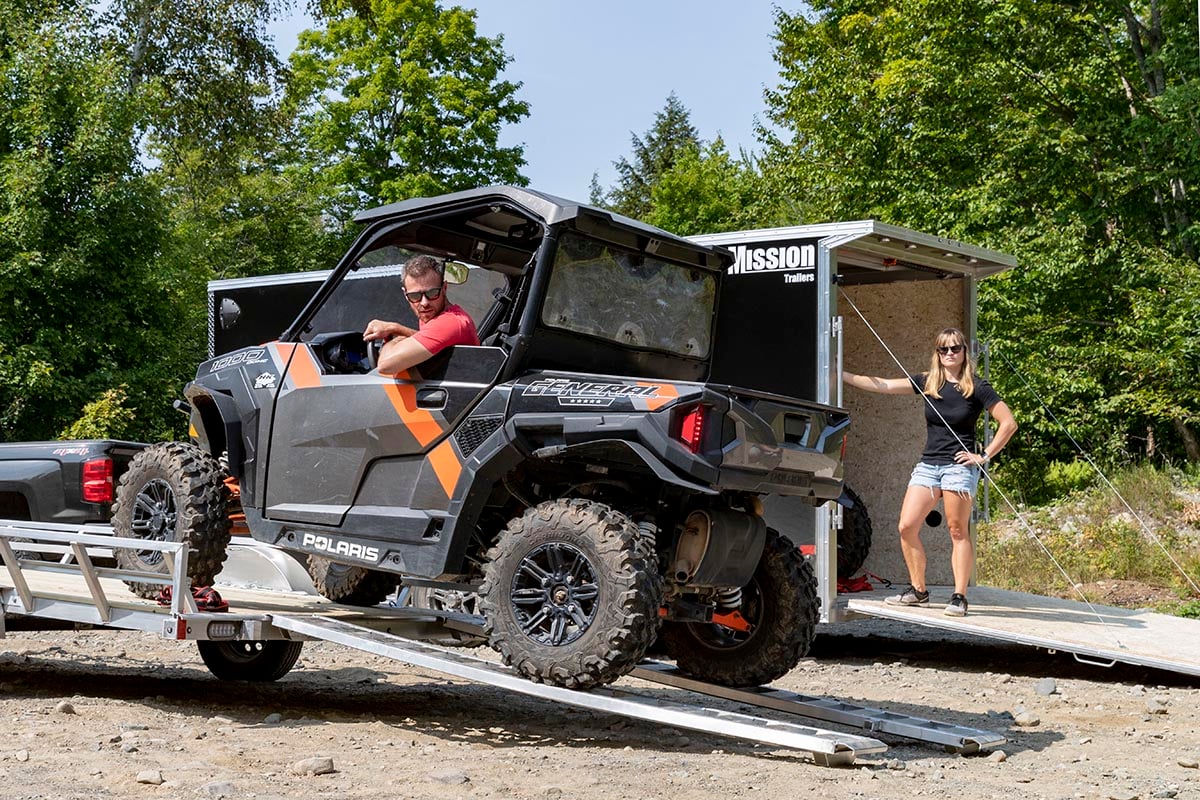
{"x":957,"y":607}
{"x":909,"y":597}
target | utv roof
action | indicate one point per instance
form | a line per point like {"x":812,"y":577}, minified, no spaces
{"x":553,"y":210}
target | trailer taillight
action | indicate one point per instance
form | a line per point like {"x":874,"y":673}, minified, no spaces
{"x":98,"y":480}
{"x":691,"y":427}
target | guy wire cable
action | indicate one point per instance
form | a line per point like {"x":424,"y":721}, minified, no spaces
{"x":1107,"y":627}
{"x":1153,"y":536}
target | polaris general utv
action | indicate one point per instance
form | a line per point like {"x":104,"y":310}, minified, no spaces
{"x":584,"y":471}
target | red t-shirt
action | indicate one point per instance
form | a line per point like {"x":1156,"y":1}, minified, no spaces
{"x":452,"y":326}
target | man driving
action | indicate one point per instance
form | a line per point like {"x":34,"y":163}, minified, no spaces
{"x":441,"y":324}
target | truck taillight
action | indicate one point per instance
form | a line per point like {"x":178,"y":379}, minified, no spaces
{"x":691,"y":427}
{"x":98,"y":480}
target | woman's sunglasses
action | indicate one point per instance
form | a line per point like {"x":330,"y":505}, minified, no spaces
{"x":428,"y":294}
{"x":947,"y":349}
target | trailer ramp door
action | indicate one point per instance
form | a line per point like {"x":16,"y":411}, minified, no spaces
{"x":1104,"y":636}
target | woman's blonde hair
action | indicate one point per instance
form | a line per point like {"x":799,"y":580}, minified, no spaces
{"x":936,"y":378}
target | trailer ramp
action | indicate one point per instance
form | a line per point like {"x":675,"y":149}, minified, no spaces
{"x":1099,"y":635}
{"x":826,"y":747}
{"x":954,"y":738}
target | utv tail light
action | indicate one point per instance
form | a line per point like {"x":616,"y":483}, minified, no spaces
{"x":691,"y":427}
{"x":98,"y":480}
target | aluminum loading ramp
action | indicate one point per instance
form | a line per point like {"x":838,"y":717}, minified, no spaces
{"x":1100,"y":635}
{"x":828,"y":748}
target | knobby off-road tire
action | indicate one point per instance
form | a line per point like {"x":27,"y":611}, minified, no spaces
{"x":781,"y":604}
{"x":354,"y":586}
{"x":175,"y":492}
{"x":854,"y":539}
{"x":250,"y":660}
{"x":571,"y":593}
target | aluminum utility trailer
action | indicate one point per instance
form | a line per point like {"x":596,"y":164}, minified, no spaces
{"x":50,"y":574}
{"x":906,"y":285}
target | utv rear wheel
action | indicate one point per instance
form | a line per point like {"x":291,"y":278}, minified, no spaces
{"x":854,"y":539}
{"x":250,"y":660}
{"x":779,"y":604}
{"x":571,"y":593}
{"x":172,"y":492}
{"x":354,"y":586}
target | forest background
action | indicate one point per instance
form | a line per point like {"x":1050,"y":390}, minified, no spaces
{"x":149,"y":146}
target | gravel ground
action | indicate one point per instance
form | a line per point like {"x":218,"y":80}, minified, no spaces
{"x":121,"y":714}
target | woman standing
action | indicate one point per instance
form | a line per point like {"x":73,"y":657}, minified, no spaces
{"x":949,"y":467}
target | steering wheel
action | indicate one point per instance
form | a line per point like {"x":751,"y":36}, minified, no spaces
{"x":373,"y":348}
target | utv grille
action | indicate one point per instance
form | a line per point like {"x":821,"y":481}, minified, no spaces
{"x":472,"y":432}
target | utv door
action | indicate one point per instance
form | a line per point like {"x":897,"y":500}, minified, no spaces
{"x":381,"y":443}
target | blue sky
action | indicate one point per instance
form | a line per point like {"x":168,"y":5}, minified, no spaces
{"x":595,"y":72}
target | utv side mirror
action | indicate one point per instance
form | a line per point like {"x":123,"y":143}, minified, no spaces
{"x":456,"y":272}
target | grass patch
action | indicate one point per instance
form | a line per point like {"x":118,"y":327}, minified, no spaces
{"x":1095,"y":537}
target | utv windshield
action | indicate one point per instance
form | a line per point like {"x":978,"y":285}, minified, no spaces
{"x":630,"y":298}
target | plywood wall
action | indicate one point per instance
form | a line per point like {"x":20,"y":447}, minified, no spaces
{"x":887,"y":432}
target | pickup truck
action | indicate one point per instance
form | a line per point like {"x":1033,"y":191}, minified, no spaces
{"x":68,"y":482}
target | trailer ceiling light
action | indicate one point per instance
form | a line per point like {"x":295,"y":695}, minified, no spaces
{"x":884,"y":239}
{"x":910,"y":246}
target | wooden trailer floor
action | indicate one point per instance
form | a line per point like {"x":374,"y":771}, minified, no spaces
{"x":1096,"y":633}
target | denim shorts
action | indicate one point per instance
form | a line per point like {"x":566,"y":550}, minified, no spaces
{"x":947,"y":477}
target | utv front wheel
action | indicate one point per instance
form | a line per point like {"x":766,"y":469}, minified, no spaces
{"x":354,"y":586}
{"x":779,"y":608}
{"x":172,"y":492}
{"x":571,"y":594}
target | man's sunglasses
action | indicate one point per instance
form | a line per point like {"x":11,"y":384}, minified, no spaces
{"x":428,"y":294}
{"x":946,"y":349}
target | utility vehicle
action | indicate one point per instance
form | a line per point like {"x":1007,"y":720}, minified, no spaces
{"x":589,"y":471}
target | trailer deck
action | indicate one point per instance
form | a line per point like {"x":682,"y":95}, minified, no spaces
{"x":1099,"y":635}
{"x":73,"y":588}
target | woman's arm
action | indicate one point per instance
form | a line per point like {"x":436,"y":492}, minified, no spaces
{"x":1007,"y":426}
{"x":878,"y":385}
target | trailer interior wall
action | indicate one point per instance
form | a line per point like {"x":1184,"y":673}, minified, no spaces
{"x":888,"y":431}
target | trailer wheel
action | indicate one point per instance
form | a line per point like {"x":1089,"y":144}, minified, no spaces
{"x":854,"y":539}
{"x":571,"y":593}
{"x":260,"y":661}
{"x":781,"y":606}
{"x":172,"y":492}
{"x":354,"y":586}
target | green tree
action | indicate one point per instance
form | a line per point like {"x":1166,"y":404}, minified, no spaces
{"x":1062,"y":132}
{"x":81,"y":228}
{"x":670,"y":138}
{"x":401,"y":98}
{"x":708,"y":190}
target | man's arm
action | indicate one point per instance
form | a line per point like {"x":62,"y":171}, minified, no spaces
{"x":401,"y":353}
{"x":382,"y":329}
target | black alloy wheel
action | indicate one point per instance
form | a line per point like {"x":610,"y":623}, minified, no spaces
{"x":554,"y":594}
{"x":153,"y":516}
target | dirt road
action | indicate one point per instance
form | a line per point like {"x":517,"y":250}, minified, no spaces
{"x":111,"y":714}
